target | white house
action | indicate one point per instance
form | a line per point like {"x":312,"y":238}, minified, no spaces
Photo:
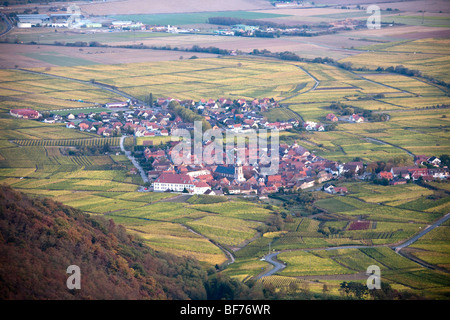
{"x":355,"y":118}
{"x":200,"y":187}
{"x":197,"y":173}
{"x":173,"y":182}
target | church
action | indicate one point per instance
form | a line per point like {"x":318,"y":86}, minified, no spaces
{"x":231,"y":172}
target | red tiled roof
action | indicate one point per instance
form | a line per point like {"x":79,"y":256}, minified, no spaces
{"x":201,"y":184}
{"x":25,"y":112}
{"x":174,"y":178}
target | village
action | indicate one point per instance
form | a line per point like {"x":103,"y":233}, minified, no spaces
{"x":298,"y":168}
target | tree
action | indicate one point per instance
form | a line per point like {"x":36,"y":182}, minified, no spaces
{"x":352,"y":288}
{"x":150,"y":99}
{"x":445,"y":160}
{"x":106,"y":148}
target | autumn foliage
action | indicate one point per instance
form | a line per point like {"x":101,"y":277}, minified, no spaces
{"x":40,"y":238}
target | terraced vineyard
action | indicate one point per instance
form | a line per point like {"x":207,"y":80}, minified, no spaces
{"x":113,"y":141}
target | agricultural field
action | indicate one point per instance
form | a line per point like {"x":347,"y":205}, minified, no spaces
{"x":194,"y":18}
{"x":20,"y":89}
{"x":430,"y":56}
{"x":433,"y":248}
{"x":196,"y":79}
{"x":331,"y":239}
{"x":330,"y":267}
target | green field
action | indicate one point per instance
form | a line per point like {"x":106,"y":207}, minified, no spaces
{"x":179,"y":19}
{"x":46,"y":37}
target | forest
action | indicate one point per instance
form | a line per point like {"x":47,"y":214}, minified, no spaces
{"x":40,"y":238}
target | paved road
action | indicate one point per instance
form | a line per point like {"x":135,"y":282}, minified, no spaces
{"x":9,"y":25}
{"x":317,"y":82}
{"x":133,"y":160}
{"x":422,"y":233}
{"x":95,"y":84}
{"x":393,"y":145}
{"x":278,"y":266}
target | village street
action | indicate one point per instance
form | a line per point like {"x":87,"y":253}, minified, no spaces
{"x":133,"y":160}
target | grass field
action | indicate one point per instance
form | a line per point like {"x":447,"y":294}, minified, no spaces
{"x":180,"y":19}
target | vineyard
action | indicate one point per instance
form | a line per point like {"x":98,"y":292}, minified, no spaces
{"x":112,"y":141}
{"x":359,"y":225}
{"x":35,"y":158}
{"x":82,"y":161}
{"x":281,"y":281}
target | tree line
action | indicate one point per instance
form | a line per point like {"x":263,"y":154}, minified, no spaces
{"x":344,"y":109}
{"x":187,"y":114}
{"x":230,"y":21}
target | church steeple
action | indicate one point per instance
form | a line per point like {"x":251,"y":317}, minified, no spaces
{"x":239,"y":172}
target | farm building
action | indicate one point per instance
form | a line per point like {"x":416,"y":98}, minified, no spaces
{"x":32,"y":20}
{"x":173,"y":182}
{"x":25,"y":113}
{"x":117,"y":105}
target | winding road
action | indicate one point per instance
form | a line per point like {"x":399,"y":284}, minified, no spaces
{"x":278,"y":266}
{"x":95,"y":84}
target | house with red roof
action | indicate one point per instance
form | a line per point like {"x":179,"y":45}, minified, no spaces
{"x":331,"y":117}
{"x":25,"y":113}
{"x":356,"y":118}
{"x":274,"y":179}
{"x":200,"y":187}
{"x":173,"y":182}
{"x":341,"y":190}
{"x":386,"y":175}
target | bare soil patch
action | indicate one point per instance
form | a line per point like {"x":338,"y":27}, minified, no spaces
{"x":170,"y":6}
{"x":12,"y":55}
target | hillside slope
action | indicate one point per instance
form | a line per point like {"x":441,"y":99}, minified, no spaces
{"x":40,"y":238}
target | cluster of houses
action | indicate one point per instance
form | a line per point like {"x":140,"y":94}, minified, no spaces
{"x":298,"y":169}
{"x":356,"y":118}
{"x":426,"y":168}
{"x":142,"y":121}
{"x":313,"y":126}
{"x":237,"y":115}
